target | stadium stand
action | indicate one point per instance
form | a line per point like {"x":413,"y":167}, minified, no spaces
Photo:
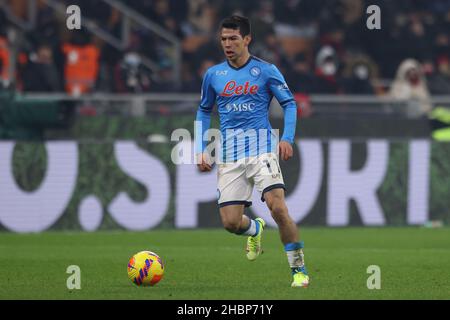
{"x":290,"y":28}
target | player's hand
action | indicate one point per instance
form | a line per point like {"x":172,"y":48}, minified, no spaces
{"x":203,"y":162}
{"x":285,"y":150}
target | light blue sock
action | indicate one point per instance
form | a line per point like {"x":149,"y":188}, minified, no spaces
{"x":294,"y":252}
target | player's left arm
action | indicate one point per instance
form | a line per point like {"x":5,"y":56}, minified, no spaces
{"x":283,"y":94}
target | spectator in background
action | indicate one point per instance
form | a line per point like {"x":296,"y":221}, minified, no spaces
{"x":162,"y":15}
{"x":163,"y":80}
{"x":265,"y":43}
{"x":4,"y":50}
{"x":47,"y":26}
{"x":131,"y":76}
{"x":358,"y":75}
{"x":230,"y":7}
{"x":386,"y":42}
{"x":333,"y":35}
{"x":188,"y":82}
{"x":97,"y":10}
{"x":48,"y":31}
{"x":210,"y":50}
{"x":439,"y":78}
{"x":201,"y":18}
{"x":262,"y":21}
{"x":3,"y":21}
{"x":353,"y":24}
{"x":295,"y":12}
{"x":40,"y":74}
{"x":410,"y":84}
{"x":327,"y":79}
{"x":271,"y":50}
{"x":193,"y":80}
{"x":81,"y":64}
{"x":300,"y":77}
{"x":4,"y":61}
{"x":206,"y":64}
{"x":416,"y":38}
{"x":442,"y":46}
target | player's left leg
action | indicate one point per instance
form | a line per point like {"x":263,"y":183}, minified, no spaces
{"x":268,"y":180}
{"x":289,"y":236}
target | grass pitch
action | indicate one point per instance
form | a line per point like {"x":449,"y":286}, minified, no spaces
{"x":211,"y":264}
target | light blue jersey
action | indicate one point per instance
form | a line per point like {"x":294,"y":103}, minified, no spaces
{"x":243,"y":97}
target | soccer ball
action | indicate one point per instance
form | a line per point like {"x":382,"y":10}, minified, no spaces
{"x":145,"y":268}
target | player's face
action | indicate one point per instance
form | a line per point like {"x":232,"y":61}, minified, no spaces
{"x":233,"y":44}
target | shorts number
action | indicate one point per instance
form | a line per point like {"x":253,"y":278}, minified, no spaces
{"x":270,"y":168}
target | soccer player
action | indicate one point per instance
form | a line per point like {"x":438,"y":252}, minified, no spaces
{"x":243,"y":87}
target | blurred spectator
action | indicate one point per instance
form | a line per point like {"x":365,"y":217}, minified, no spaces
{"x":229,"y":7}
{"x":262,"y":21}
{"x":192,"y":81}
{"x":332,"y":34}
{"x":442,"y":45}
{"x":131,"y":75}
{"x":47,"y":27}
{"x":4,"y":24}
{"x":416,"y":38}
{"x":201,"y":18}
{"x":358,"y":75}
{"x":164,"y":80}
{"x":188,"y":82}
{"x":162,"y":15}
{"x":210,"y":50}
{"x":353,"y":24}
{"x":300,"y":77}
{"x":327,"y":79}
{"x":81,"y":64}
{"x":439,"y":78}
{"x":410,"y":84}
{"x":295,"y":12}
{"x":271,"y":50}
{"x":4,"y":49}
{"x":4,"y":60}
{"x":296,"y":18}
{"x":40,"y":74}
{"x":175,"y":9}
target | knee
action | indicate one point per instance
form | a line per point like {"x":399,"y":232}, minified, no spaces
{"x":232,"y":226}
{"x":276,"y":206}
{"x":279,"y":212}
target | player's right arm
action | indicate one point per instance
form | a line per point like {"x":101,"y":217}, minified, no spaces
{"x":203,"y":122}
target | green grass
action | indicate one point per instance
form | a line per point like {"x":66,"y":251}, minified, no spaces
{"x":211,"y":264}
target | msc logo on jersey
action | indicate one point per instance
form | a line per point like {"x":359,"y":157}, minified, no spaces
{"x":232,"y":88}
{"x":255,"y":71}
{"x":240,"y":107}
{"x":221,"y":73}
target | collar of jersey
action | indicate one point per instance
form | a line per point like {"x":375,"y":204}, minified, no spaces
{"x":243,"y":66}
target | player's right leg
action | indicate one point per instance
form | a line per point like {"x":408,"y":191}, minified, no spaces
{"x":234,"y":220}
{"x":235,"y":193}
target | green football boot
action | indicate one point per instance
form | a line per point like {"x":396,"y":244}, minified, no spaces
{"x":301,"y":278}
{"x":254,"y":243}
